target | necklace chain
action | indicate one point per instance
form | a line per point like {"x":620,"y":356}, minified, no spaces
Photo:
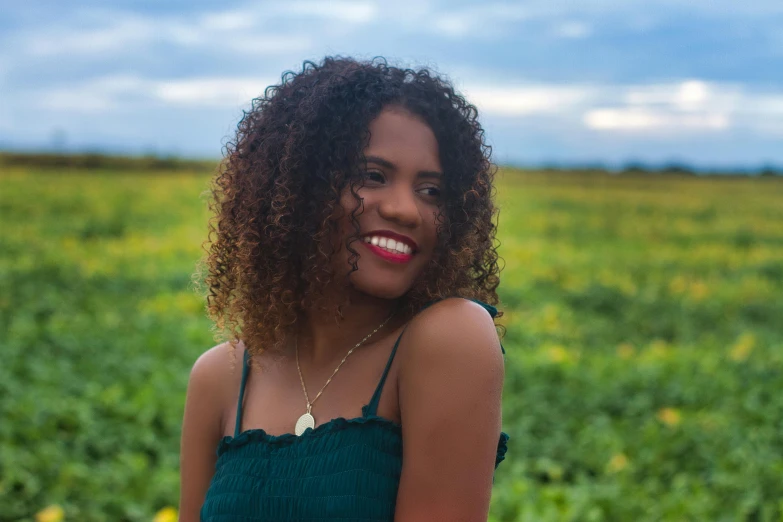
{"x":301,"y":379}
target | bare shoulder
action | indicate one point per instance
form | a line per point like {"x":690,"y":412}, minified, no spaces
{"x":217,"y":372}
{"x":450,"y":384}
{"x":220,"y":360}
{"x":213,"y":380}
{"x":459,"y":329}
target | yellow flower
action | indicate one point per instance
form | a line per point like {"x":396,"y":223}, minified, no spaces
{"x":669,"y":416}
{"x":53,"y":513}
{"x":743,"y":347}
{"x":625,"y":350}
{"x":617,"y":463}
{"x":558,"y":354}
{"x":167,"y":514}
{"x":658,"y":349}
{"x":678,"y":284}
{"x":699,"y":290}
{"x":551,"y":319}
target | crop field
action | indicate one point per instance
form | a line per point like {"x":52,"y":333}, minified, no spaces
{"x":644,"y":344}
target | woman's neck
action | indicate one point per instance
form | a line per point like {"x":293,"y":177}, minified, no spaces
{"x":322,"y":338}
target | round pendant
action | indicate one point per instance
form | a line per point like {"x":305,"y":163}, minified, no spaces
{"x":304,"y":422}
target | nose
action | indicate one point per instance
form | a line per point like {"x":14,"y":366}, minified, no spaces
{"x":398,"y":204}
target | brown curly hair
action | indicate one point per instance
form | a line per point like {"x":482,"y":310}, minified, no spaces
{"x":276,"y":192}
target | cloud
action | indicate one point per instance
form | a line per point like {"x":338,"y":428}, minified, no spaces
{"x":279,"y":44}
{"x":573,"y":29}
{"x":132,"y":35}
{"x":565,"y":19}
{"x":252,"y":30}
{"x":112,"y":92}
{"x":475,"y":19}
{"x":352,"y":12}
{"x":646,"y":119}
{"x":688,"y":106}
{"x":691,"y":106}
{"x":687,"y":96}
{"x":230,"y":20}
{"x":69,"y":41}
{"x":216,"y":92}
{"x":528,"y":99}
{"x":97,"y":95}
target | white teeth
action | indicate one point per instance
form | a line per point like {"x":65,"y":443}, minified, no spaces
{"x":389,"y":244}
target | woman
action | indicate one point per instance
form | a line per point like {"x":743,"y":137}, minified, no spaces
{"x":355,"y":199}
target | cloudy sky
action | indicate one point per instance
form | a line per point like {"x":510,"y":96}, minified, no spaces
{"x":555,"y":81}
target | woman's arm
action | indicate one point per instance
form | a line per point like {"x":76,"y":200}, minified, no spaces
{"x":450,"y":386}
{"x":202,"y":429}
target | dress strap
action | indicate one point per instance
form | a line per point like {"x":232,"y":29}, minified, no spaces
{"x":245,"y":371}
{"x":372,"y":408}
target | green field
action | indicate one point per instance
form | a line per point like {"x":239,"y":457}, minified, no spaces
{"x":644,"y":344}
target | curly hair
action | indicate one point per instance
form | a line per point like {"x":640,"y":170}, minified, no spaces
{"x":278,"y":187}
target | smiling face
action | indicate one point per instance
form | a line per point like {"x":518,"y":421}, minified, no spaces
{"x":401,"y":196}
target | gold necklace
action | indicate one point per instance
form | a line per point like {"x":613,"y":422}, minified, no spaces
{"x":307,"y":420}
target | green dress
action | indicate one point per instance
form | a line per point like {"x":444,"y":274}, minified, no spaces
{"x":344,"y":469}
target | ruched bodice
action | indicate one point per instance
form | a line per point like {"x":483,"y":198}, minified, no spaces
{"x":344,"y":469}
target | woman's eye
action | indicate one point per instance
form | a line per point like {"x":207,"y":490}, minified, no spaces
{"x":374,"y":175}
{"x":434,"y":191}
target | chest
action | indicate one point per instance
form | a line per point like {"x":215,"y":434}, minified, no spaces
{"x":273,"y":398}
{"x":343,"y":469}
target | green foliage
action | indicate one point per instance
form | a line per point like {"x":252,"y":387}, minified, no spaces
{"x":644,"y":348}
{"x":644,"y":344}
{"x":98,"y":328}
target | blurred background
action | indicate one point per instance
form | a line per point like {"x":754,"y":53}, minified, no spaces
{"x":641,"y":227}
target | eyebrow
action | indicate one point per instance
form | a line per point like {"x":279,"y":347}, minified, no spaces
{"x":389,"y":165}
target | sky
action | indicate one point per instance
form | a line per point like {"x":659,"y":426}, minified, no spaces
{"x":555,"y":82}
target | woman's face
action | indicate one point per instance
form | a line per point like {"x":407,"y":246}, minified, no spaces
{"x":401,"y":198}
